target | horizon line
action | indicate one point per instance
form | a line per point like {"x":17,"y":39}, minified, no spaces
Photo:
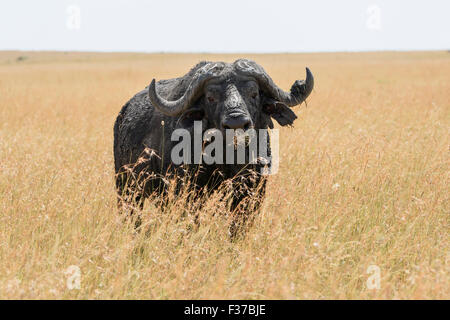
{"x":226,"y":52}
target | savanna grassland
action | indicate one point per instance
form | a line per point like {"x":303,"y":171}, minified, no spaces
{"x":363,"y":181}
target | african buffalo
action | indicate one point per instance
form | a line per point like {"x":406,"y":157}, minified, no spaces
{"x":217,"y":95}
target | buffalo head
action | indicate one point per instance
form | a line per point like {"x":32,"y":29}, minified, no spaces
{"x":240,"y":95}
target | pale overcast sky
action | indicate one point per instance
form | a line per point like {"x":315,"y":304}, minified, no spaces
{"x":224,"y":26}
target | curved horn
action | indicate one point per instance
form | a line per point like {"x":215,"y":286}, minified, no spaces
{"x":173,"y":108}
{"x":300,"y":90}
{"x":169,"y":108}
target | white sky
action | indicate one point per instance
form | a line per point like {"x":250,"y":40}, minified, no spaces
{"x":224,"y":26}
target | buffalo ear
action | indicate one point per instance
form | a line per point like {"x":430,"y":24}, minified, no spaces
{"x":188,"y":117}
{"x":280,"y":112}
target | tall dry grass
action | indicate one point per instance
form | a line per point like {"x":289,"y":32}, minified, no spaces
{"x":363,"y":180}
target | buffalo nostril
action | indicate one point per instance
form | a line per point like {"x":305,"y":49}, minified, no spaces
{"x":237,"y":123}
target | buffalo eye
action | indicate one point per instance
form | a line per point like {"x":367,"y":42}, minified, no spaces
{"x":211,"y":99}
{"x":254,"y":95}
